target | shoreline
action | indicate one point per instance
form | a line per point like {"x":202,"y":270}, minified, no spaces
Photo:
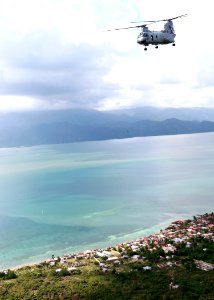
{"x":120,"y":238}
{"x":166,"y":265}
{"x":168,"y":193}
{"x":19,"y":147}
{"x":86,"y":253}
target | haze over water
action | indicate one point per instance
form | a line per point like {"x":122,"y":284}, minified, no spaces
{"x":64,"y":198}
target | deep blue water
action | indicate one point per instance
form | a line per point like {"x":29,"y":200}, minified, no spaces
{"x":58,"y":199}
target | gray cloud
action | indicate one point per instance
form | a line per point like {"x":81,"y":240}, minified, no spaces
{"x":38,"y":62}
{"x":42,"y":66}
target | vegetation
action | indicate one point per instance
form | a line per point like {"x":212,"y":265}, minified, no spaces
{"x":193,"y":284}
{"x":147,"y":273}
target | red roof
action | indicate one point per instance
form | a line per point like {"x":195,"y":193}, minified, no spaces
{"x":178,"y":222}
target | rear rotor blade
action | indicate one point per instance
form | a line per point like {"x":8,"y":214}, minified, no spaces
{"x":146,"y":23}
{"x":177,"y":17}
{"x":155,"y":21}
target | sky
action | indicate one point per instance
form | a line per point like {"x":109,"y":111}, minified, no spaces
{"x":57,"y":54}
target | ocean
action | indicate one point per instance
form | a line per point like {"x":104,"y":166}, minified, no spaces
{"x":60,"y":199}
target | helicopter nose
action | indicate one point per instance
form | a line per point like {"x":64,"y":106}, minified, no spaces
{"x":140,"y":40}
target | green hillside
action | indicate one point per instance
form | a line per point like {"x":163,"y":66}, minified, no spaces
{"x":176,"y":263}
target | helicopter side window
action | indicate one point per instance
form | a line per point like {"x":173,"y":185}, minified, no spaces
{"x":152,"y":37}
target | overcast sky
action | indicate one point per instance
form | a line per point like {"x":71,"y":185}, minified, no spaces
{"x":54,"y":54}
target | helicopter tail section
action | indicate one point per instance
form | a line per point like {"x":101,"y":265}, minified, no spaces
{"x":168,"y":27}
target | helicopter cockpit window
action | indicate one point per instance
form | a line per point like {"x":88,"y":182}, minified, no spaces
{"x":145,"y":35}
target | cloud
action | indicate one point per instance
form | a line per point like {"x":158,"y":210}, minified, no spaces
{"x":45,"y":68}
{"x":54,"y":54}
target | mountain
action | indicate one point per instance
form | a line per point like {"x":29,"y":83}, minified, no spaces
{"x":65,"y":126}
{"x":161,"y":114}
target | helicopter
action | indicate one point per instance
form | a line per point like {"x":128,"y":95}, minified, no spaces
{"x":148,"y":37}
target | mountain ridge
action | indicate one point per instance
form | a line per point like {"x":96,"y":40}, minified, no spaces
{"x":54,"y":127}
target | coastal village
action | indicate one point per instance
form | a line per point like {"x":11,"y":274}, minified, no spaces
{"x":160,"y":248}
{"x":175,"y":263}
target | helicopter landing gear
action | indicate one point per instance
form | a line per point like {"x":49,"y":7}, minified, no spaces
{"x":173,"y":44}
{"x":145,"y":49}
{"x":156,"y":47}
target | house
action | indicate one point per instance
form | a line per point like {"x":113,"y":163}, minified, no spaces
{"x":71,"y":269}
{"x":112,"y":259}
{"x":168,"y":248}
{"x":58,"y":270}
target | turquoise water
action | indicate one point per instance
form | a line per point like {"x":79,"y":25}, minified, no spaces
{"x":64,"y":198}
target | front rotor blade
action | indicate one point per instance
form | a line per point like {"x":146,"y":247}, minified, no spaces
{"x":129,"y":27}
{"x":143,"y":22}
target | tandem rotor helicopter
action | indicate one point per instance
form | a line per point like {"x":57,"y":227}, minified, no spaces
{"x":148,"y":37}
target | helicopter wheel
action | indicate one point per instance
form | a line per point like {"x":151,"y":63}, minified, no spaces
{"x":156,"y":47}
{"x":145,"y":49}
{"x":173,"y":44}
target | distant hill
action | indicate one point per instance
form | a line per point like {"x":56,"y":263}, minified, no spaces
{"x":66,"y":126}
{"x":161,"y":114}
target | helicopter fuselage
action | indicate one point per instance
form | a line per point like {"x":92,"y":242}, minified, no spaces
{"x":155,"y":38}
{"x":148,"y":37}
